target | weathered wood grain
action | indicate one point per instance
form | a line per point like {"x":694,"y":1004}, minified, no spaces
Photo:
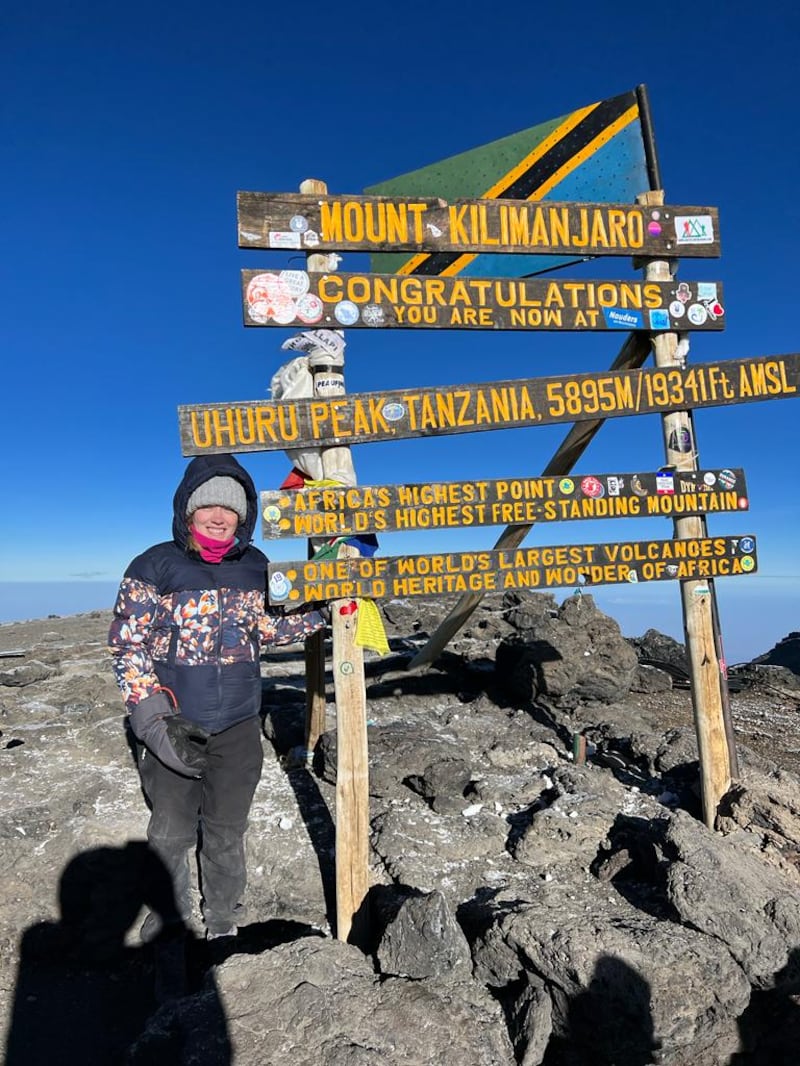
{"x":391,"y":224}
{"x":558,"y":566}
{"x":360,"y":418}
{"x":336,"y":512}
{"x":281,"y":298}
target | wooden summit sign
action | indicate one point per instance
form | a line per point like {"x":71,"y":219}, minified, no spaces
{"x":360,"y":418}
{"x":384,"y":301}
{"x":396,"y":224}
{"x":556,"y":566}
{"x":343,"y":511}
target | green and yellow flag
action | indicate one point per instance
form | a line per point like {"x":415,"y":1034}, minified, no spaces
{"x":595,"y":154}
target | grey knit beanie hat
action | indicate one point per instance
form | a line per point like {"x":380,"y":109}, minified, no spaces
{"x":219,"y":492}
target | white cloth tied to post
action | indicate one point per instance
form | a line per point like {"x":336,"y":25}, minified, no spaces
{"x":323,"y":348}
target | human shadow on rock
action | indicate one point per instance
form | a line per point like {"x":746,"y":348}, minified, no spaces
{"x":609,"y":1023}
{"x":255,"y":939}
{"x":635,"y":861}
{"x":284,"y":727}
{"x":82,"y":995}
{"x":769,"y":1028}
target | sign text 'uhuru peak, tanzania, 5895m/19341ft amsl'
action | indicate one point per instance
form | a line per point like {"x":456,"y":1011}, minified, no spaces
{"x":359,"y":418}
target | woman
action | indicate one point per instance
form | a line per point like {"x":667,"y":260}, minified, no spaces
{"x":189,"y":622}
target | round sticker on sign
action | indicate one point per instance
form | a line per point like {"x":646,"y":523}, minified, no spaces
{"x":592,"y":487}
{"x":270,"y":297}
{"x":393,"y":412}
{"x":346,"y":313}
{"x":310,"y":308}
{"x":279,"y":586}
{"x":297,"y":282}
{"x":697,"y":314}
{"x":373,"y":315}
{"x":747,"y":544}
{"x":284,"y":310}
{"x":261,"y":289}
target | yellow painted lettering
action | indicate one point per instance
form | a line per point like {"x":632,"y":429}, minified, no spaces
{"x":331,"y":220}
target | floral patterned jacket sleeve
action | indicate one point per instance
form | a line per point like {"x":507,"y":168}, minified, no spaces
{"x":278,"y":627}
{"x":128,"y":637}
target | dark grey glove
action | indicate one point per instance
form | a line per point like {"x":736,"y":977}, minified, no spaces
{"x":190,"y":741}
{"x":177,"y":743}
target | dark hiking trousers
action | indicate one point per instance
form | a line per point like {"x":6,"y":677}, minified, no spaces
{"x":217,"y":806}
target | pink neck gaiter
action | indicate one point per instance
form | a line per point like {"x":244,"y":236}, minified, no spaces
{"x":212,"y":551}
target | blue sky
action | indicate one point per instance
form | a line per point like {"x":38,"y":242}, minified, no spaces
{"x":126,"y":134}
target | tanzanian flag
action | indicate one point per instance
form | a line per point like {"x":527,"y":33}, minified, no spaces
{"x":597,"y":154}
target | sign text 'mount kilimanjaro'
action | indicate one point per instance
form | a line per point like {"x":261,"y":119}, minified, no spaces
{"x":560,"y":566}
{"x":386,"y":301}
{"x":359,"y":418}
{"x":343,"y":511}
{"x":391,"y":224}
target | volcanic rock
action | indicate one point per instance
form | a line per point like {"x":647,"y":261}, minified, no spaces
{"x":542,"y":890}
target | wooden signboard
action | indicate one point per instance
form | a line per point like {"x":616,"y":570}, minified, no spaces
{"x":330,"y":512}
{"x":426,"y":224}
{"x":385,"y":301}
{"x":359,"y":418}
{"x":559,"y":566}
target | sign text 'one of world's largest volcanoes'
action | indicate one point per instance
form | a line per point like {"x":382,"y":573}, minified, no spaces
{"x":393,"y":223}
{"x":390,"y":301}
{"x":360,"y":418}
{"x":558,"y":566}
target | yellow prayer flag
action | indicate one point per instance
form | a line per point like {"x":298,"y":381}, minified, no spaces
{"x":370,"y":632}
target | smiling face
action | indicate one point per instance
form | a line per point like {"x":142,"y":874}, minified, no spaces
{"x":217,"y":522}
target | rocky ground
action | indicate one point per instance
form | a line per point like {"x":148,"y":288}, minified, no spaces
{"x":525,"y":907}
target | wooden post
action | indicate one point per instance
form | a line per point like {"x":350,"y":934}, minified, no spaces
{"x":315,"y":691}
{"x":315,"y":644}
{"x":698,"y":613}
{"x":352,"y":777}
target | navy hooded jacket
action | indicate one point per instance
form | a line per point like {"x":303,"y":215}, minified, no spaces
{"x":195,"y":627}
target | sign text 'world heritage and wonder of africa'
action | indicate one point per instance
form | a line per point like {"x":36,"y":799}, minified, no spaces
{"x":560,"y":566}
{"x":328,"y":511}
{"x":359,"y":418}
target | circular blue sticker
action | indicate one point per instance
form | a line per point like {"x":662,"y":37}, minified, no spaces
{"x":279,"y":586}
{"x":346,"y":312}
{"x":393,"y":412}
